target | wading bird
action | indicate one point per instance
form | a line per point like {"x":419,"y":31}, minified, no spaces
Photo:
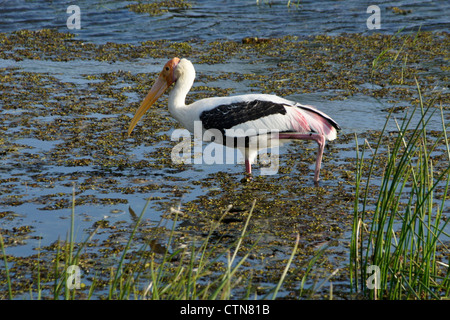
{"x":252,"y":121}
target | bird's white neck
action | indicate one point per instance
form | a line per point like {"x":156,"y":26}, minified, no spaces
{"x":177,"y":96}
{"x":177,"y":100}
{"x":185,"y":74}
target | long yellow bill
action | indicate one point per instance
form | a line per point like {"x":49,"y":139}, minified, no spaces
{"x":156,"y":91}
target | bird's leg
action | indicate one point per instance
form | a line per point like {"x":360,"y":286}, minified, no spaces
{"x":321,"y":142}
{"x":248,"y":167}
{"x":320,"y":139}
{"x":248,"y":171}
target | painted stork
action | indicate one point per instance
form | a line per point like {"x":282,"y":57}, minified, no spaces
{"x":278,"y":119}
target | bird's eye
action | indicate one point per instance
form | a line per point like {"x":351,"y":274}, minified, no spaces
{"x":167,"y":68}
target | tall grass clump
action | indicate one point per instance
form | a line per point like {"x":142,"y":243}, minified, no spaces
{"x":8,"y":278}
{"x":399,"y":246}
{"x":188,"y":278}
{"x":189,"y":272}
{"x":154,"y":268}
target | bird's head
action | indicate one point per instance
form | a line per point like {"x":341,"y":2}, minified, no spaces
{"x":169,"y":74}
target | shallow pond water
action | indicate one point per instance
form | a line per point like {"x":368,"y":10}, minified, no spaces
{"x":113,"y":21}
{"x":67,"y":101}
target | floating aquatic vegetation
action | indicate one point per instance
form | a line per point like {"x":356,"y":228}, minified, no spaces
{"x":157,"y":7}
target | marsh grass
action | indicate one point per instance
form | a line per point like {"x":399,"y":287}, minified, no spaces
{"x":189,"y":272}
{"x":181,"y":273}
{"x":8,"y":278}
{"x":154,"y":270}
{"x":403,"y":234}
{"x":389,"y":55}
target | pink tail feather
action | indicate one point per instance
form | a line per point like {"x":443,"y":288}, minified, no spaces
{"x":309,"y":119}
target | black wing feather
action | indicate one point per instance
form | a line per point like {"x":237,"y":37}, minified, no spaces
{"x":227,"y":116}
